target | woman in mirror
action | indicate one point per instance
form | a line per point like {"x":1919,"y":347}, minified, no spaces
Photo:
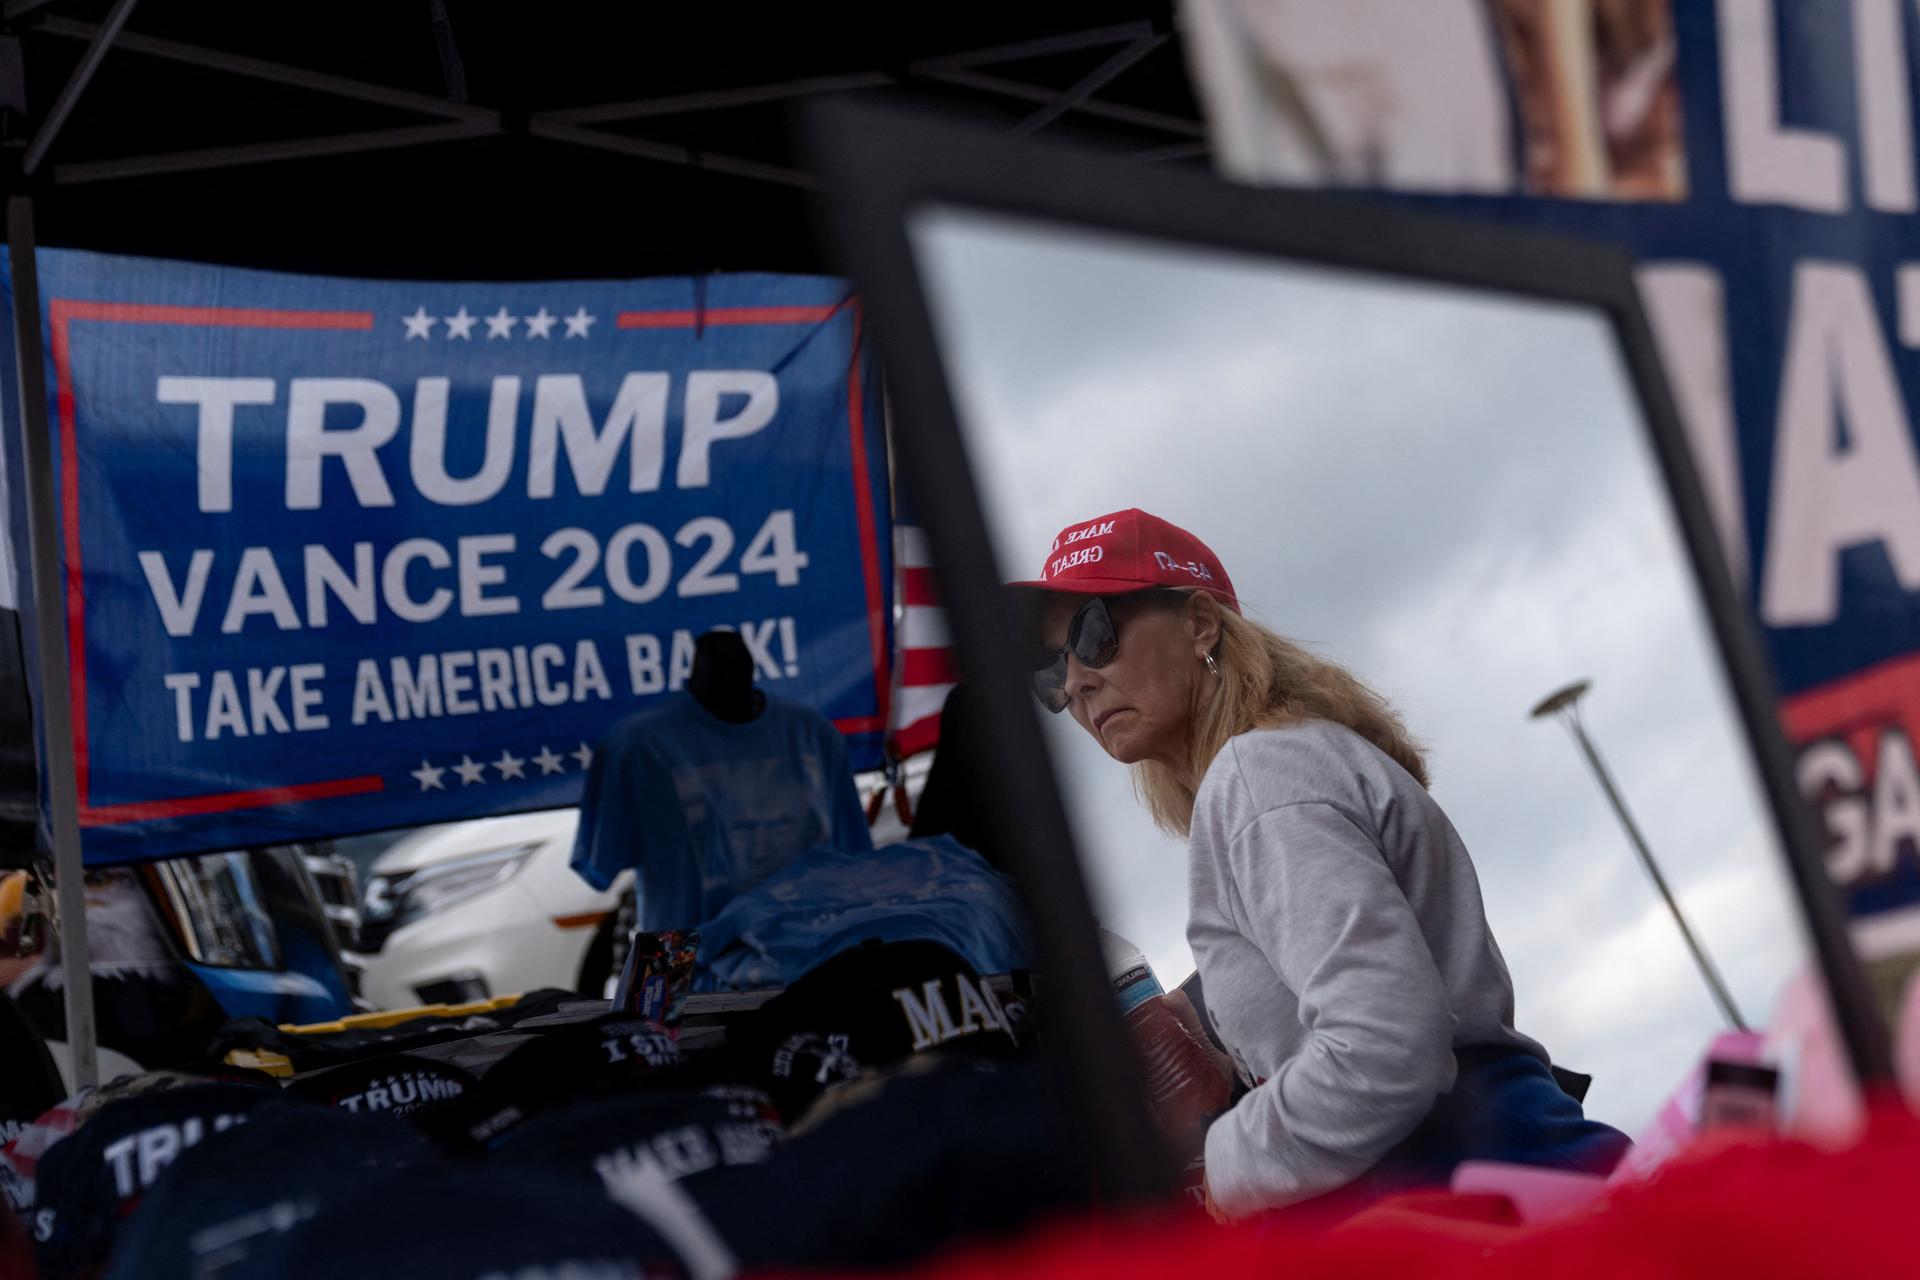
{"x":1333,"y":911}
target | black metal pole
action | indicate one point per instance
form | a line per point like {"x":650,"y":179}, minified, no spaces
{"x":50,"y":643}
{"x":1721,"y":995}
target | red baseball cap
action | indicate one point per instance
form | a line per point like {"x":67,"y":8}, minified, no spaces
{"x":1131,"y":551}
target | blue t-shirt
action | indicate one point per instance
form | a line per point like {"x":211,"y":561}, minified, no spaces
{"x":702,"y":809}
{"x":933,"y":889}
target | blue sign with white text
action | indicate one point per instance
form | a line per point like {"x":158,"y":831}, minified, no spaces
{"x":344,"y":555}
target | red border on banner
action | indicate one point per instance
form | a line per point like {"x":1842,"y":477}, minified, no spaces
{"x":862,"y":477}
{"x":61,"y":312}
{"x":1856,"y":707}
{"x":869,"y":533}
{"x":728,"y":316}
{"x":110,"y":815}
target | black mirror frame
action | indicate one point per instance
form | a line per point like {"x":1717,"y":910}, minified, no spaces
{"x":881,"y":166}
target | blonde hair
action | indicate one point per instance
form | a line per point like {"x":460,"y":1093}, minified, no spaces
{"x":1267,"y":681}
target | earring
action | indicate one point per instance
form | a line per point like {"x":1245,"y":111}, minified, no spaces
{"x":1212,"y":665}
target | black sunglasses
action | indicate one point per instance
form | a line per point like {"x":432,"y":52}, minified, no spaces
{"x":1092,"y":638}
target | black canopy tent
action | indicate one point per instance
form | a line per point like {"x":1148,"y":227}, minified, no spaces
{"x":462,"y":140}
{"x":445,"y":139}
{"x":441,"y":139}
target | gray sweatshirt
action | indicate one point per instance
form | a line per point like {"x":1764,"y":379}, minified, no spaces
{"x":1344,"y":952}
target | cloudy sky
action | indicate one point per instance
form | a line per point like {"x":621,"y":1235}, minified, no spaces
{"x":1449,"y":493}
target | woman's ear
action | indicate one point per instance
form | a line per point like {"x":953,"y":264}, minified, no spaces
{"x":1203,"y":622}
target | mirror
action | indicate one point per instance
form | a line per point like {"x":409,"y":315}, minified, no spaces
{"x":1450,"y":493}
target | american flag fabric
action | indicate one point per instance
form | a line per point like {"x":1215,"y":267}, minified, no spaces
{"x":925,"y":673}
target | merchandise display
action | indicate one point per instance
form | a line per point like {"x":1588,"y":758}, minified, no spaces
{"x":546,"y":1070}
{"x":288,"y":1050}
{"x":871,"y":1006}
{"x":607,"y":1144}
{"x":932,"y":889}
{"x":658,"y":975}
{"x":432,"y":1223}
{"x":616,"y":1147}
{"x":703,"y":809}
{"x":87,"y":1183}
{"x":394,"y":1084}
{"x":683,"y":1131}
{"x":227,"y":1197}
{"x":946,"y":1151}
{"x":454,"y":613}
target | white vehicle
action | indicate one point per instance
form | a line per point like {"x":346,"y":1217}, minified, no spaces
{"x":491,"y":907}
{"x":483,"y":908}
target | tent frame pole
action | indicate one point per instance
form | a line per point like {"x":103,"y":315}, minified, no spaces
{"x":570,"y":126}
{"x":76,"y":85}
{"x":1088,"y":85}
{"x":1045,"y":46}
{"x":1120,"y":113}
{"x":281,"y":73}
{"x":172,"y":162}
{"x":50,"y":635}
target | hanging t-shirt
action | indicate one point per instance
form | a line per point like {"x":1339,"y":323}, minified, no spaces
{"x":703,"y":809}
{"x":827,"y":901}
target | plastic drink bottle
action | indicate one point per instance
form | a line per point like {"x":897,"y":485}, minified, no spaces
{"x":1186,"y":1088}
{"x":1133,"y":978}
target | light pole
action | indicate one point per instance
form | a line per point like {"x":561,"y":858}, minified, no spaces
{"x":1565,"y":703}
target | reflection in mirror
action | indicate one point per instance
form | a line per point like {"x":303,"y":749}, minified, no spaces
{"x":1450,"y":494}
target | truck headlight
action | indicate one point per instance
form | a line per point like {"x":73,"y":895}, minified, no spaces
{"x":403,"y":899}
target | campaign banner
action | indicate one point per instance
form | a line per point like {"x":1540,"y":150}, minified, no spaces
{"x":1758,"y":156}
{"x":345,"y":555}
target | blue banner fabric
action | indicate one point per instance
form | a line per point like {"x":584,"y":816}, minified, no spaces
{"x":343,"y":555}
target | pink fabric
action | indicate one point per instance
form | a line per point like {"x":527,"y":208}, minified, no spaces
{"x":1677,"y":1123}
{"x":1822,"y":1104}
{"x":1537,"y":1195}
{"x":1906,"y":1044}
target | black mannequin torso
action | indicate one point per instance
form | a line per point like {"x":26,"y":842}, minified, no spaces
{"x":722,"y":678}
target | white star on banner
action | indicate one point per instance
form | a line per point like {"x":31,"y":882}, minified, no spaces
{"x":540,"y":324}
{"x":584,"y":755}
{"x":500,"y":324}
{"x":419,"y":324}
{"x":509,"y":765}
{"x":470,"y":772}
{"x":460,"y":324}
{"x":549,"y":762}
{"x":429,"y":777}
{"x":579,"y":322}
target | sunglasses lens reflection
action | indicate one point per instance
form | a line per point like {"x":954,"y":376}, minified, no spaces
{"x":1094,"y":640}
{"x":1091,"y":638}
{"x":1050,"y":685}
